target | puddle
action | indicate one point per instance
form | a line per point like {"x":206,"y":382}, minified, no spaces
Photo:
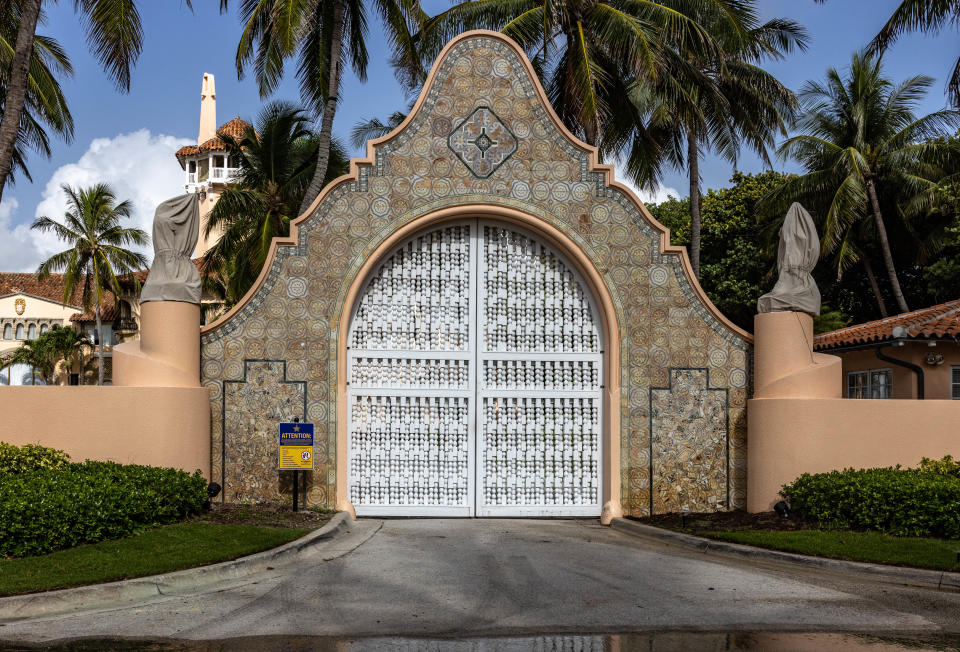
{"x":650,"y":642}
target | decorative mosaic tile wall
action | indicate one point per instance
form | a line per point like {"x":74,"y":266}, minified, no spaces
{"x":483,"y":136}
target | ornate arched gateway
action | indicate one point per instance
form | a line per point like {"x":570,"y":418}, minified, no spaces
{"x":480,"y":321}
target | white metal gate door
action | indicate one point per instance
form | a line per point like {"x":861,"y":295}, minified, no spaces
{"x":474,"y":315}
{"x":539,"y":392}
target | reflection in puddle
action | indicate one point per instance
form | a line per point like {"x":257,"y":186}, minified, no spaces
{"x":651,"y":642}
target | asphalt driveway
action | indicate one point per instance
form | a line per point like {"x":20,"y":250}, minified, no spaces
{"x":489,"y":577}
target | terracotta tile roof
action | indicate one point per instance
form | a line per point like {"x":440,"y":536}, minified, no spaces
{"x":936,"y":322}
{"x":50,"y":289}
{"x":234,"y":128}
{"x":109,"y":312}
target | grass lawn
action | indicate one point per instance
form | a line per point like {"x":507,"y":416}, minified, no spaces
{"x":160,"y":550}
{"x":940,"y":554}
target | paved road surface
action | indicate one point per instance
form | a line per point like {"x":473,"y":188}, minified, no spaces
{"x":489,"y":577}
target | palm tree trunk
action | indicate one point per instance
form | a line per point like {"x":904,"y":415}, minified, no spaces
{"x":875,"y":287}
{"x":693,"y":158}
{"x":17,"y":87}
{"x":100,"y":345}
{"x":885,"y":247}
{"x":326,"y":127}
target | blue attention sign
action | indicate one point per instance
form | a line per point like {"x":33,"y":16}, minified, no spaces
{"x":295,"y":450}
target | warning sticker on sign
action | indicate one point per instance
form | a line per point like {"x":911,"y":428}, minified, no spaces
{"x":295,"y":451}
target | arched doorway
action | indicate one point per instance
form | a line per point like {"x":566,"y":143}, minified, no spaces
{"x":475,"y":370}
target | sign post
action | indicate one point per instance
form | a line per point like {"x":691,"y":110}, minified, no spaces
{"x":295,"y":452}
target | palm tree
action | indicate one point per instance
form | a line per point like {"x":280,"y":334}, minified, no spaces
{"x":859,"y":138}
{"x":35,"y":354}
{"x":373,"y":128}
{"x":927,"y":16}
{"x":97,"y":257}
{"x":851,"y":250}
{"x":322,"y":36}
{"x":735,"y":102}
{"x":44,"y":103}
{"x":276,"y":164}
{"x":115,"y":37}
{"x":586,"y":51}
{"x":64,"y":342}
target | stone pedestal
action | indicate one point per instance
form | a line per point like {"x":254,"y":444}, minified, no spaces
{"x":168,"y":351}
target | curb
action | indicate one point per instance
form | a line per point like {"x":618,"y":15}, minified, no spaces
{"x":49,"y":603}
{"x":929,"y":579}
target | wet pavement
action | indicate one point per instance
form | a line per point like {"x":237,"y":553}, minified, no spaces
{"x":468,"y":584}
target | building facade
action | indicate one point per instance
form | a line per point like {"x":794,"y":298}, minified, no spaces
{"x":914,"y":355}
{"x":30,"y":307}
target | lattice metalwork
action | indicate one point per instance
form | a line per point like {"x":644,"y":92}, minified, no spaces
{"x":410,"y":373}
{"x":409,"y":450}
{"x":532,"y":300}
{"x":419,"y":298}
{"x":475,"y":315}
{"x":540,"y":451}
{"x":538,"y":375}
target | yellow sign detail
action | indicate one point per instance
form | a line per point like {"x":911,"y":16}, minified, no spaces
{"x":296,"y":458}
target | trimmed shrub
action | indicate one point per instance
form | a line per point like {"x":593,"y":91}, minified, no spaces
{"x":945,"y":466}
{"x":51,"y":509}
{"x":21,"y":459}
{"x":902,"y":502}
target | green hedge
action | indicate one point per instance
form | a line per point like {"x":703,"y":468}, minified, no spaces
{"x":902,"y":502}
{"x":21,"y":459}
{"x":945,"y":466}
{"x":51,"y":509}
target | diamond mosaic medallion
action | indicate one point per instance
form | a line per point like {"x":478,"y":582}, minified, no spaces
{"x":482,"y":142}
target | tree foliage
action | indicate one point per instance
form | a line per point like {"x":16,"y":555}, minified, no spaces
{"x":45,"y":107}
{"x":277,"y":157}
{"x":98,"y":255}
{"x":738,"y":255}
{"x":861,"y":146}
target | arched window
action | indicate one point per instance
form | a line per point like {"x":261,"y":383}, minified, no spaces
{"x":32,"y":331}
{"x":8,"y":332}
{"x":43,"y":328}
{"x":20,"y":331}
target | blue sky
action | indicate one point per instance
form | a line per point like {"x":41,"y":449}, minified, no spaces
{"x":128,"y":140}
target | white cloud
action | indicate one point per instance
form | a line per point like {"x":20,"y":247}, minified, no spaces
{"x":139,"y":166}
{"x":17,"y":251}
{"x":661,"y":194}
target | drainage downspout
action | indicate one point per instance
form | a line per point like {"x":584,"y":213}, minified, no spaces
{"x":916,"y":369}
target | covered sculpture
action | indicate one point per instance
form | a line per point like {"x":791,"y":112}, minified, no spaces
{"x":173,"y":276}
{"x":797,"y":256}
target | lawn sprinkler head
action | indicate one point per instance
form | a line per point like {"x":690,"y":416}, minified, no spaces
{"x":213,"y":489}
{"x":782,"y":509}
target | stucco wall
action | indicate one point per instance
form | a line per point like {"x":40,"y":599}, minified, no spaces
{"x":156,"y":426}
{"x":936,"y":377}
{"x":683,"y":368}
{"x":792,"y":436}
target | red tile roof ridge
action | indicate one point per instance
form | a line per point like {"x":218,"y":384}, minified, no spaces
{"x":947,"y":313}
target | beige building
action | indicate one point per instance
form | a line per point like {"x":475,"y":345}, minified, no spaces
{"x":914,"y":355}
{"x":29,"y":308}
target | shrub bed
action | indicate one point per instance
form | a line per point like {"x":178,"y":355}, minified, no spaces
{"x":55,"y":508}
{"x":902,"y":502}
{"x":21,"y":459}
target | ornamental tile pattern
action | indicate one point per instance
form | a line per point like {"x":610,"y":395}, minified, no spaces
{"x":667,"y":335}
{"x":482,"y":142}
{"x":688,"y":443}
